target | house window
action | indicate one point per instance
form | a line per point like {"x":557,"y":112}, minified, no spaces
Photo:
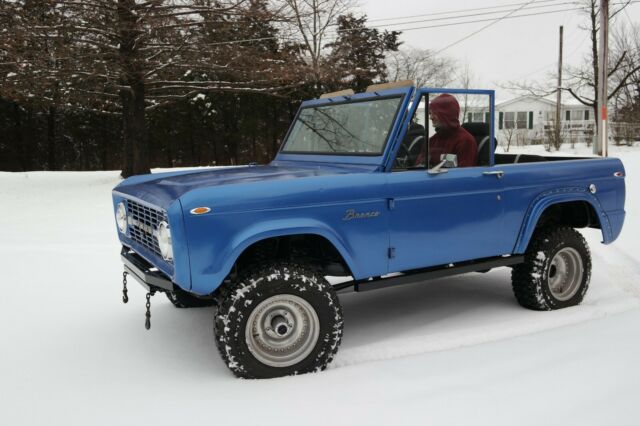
{"x":478,"y":117}
{"x":586,"y":114}
{"x":577,"y":115}
{"x":510,"y":120}
{"x":522,"y":120}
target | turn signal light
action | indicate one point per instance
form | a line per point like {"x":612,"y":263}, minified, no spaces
{"x":200,"y":210}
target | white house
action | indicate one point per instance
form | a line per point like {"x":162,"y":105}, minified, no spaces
{"x":531,"y":118}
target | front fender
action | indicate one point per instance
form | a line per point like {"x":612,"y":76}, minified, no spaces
{"x":206,"y":279}
{"x":556,"y":196}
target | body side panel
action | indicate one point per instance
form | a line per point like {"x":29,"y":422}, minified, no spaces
{"x":450,"y":217}
{"x":531,"y":187}
{"x":244,"y":214}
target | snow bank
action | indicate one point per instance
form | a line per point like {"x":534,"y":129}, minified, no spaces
{"x":451,"y":351}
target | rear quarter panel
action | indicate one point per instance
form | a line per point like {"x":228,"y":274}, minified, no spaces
{"x":529,"y":186}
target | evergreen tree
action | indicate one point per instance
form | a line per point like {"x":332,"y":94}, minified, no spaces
{"x":357,"y":57}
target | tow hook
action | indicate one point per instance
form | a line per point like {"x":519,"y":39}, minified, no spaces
{"x":147,"y":322}
{"x":125,"y":299}
{"x":125,"y":296}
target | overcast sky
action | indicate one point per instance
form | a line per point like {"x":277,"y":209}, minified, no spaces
{"x":512,"y":49}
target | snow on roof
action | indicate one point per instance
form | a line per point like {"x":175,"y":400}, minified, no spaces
{"x":567,"y":101}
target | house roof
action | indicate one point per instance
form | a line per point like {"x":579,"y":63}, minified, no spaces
{"x":526,"y":97}
{"x":569,"y":102}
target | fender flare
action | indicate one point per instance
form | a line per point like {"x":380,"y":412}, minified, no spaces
{"x":556,"y":196}
{"x":279,"y":228}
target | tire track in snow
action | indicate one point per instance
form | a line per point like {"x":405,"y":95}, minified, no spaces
{"x":614,"y":289}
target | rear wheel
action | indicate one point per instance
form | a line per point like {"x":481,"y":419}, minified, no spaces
{"x":278,"y":321}
{"x":556,"y":270}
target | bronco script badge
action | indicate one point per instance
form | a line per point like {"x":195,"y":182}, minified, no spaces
{"x":352,"y":214}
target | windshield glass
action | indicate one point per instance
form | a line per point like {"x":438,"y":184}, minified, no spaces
{"x":357,"y":128}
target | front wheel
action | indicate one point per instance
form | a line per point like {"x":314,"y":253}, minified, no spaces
{"x":556,"y":270}
{"x":278,"y":321}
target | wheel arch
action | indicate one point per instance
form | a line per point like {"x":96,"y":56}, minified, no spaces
{"x":574,"y":207}
{"x":260,"y":232}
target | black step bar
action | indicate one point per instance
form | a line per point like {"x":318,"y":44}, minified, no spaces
{"x":145,"y":273}
{"x":421,"y":275}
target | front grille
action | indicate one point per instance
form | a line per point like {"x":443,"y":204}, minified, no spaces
{"x":143,"y":225}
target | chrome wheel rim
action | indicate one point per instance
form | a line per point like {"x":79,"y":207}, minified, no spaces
{"x":282,"y":330}
{"x":565,"y":273}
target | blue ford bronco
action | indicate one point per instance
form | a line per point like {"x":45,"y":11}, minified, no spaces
{"x":346,"y":196}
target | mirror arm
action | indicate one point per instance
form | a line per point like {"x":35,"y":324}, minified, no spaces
{"x":436,"y":170}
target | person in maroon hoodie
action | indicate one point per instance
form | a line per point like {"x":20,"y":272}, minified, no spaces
{"x":450,"y":137}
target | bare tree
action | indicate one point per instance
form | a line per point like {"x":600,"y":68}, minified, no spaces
{"x":129,"y":56}
{"x":508,"y":134}
{"x":314,"y":24}
{"x":627,"y":101}
{"x":582,"y":81}
{"x":33,"y":64}
{"x":553,"y":135}
{"x":422,"y":66}
{"x":466,"y":79}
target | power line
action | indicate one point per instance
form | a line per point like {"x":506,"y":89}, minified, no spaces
{"x":502,"y":6}
{"x":508,"y":16}
{"x":468,"y":15}
{"x":492,"y":21}
{"x":335,"y":33}
{"x":482,"y":29}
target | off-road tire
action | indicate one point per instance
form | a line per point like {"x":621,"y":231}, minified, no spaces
{"x":266,"y":283}
{"x":181,"y":299}
{"x":531,"y":279}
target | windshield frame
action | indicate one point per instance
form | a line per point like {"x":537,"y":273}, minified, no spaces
{"x":346,"y":100}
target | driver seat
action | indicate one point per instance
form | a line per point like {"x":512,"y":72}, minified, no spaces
{"x":482,"y":134}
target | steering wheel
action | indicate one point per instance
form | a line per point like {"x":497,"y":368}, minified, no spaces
{"x":407,"y":155}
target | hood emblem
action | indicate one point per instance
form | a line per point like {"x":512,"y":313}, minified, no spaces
{"x":352,"y":214}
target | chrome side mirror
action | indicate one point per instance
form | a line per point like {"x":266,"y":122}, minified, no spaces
{"x":451,"y":160}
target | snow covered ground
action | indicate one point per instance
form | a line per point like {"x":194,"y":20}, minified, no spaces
{"x":451,"y":351}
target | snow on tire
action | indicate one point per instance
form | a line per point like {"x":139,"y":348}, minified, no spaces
{"x":278,"y":321}
{"x":556,"y":270}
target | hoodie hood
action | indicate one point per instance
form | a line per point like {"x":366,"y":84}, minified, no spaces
{"x":447,"y":110}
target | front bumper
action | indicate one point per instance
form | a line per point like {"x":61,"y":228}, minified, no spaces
{"x":144,"y":272}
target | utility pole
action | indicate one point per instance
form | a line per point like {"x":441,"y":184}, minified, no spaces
{"x":559,"y":94}
{"x":600,"y":147}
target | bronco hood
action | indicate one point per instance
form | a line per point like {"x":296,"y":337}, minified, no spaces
{"x":161,"y":189}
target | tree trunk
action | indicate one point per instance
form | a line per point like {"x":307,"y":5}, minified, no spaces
{"x":134,"y":126}
{"x":51,"y":138}
{"x":18,"y":139}
{"x":274,"y":130}
{"x":29,"y":154}
{"x":594,"y":53}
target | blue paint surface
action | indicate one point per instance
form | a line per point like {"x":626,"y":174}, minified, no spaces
{"x":427,"y":219}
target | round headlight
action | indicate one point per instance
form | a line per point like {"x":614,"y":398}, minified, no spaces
{"x":121,"y":217}
{"x":164,"y":241}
